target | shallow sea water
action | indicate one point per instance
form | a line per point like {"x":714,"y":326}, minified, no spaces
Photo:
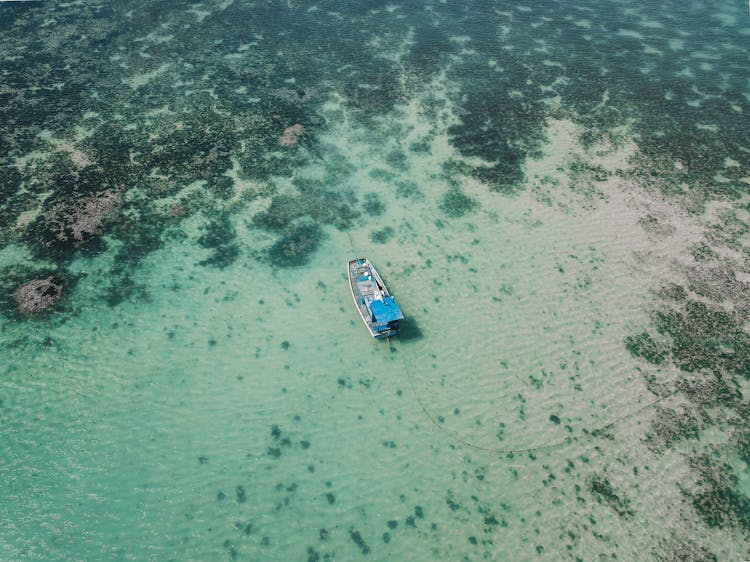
{"x":540,"y":187}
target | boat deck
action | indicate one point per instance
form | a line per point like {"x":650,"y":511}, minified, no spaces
{"x":367,"y":287}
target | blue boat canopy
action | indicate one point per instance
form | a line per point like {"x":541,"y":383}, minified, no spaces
{"x":386,"y":310}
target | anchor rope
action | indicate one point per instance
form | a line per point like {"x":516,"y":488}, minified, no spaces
{"x":457,"y":437}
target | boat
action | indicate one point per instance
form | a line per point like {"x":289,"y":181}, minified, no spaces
{"x":377,"y":307}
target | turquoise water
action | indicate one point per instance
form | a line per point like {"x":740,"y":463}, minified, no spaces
{"x":556,"y":194}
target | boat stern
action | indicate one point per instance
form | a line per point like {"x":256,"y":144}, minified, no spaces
{"x":386,"y":315}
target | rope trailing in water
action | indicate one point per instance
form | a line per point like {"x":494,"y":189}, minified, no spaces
{"x":498,"y":450}
{"x":567,"y":441}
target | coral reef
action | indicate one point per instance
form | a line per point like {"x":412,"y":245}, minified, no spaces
{"x":72,"y":222}
{"x":38,"y":295}
{"x":75,"y":222}
{"x":291,"y":135}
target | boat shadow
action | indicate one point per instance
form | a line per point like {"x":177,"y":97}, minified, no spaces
{"x":409,"y":330}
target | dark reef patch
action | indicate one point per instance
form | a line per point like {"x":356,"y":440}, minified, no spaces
{"x":718,"y":499}
{"x":373,"y":204}
{"x":408,"y":189}
{"x":299,"y":217}
{"x":671,"y":425}
{"x":198,"y":148}
{"x":455,"y":204}
{"x":497,"y":126}
{"x":397,"y":159}
{"x":705,"y":337}
{"x":69,"y":222}
{"x":430,"y":47}
{"x":275,"y":432}
{"x":296,"y":245}
{"x":219,"y":235}
{"x":383,"y":235}
{"x":604,"y":493}
{"x":380,"y":174}
{"x":359,"y":541}
{"x":230,"y":548}
{"x":217,"y":232}
{"x":222,"y":257}
{"x":682,"y":550}
{"x":644,"y":346}
{"x":312,"y":200}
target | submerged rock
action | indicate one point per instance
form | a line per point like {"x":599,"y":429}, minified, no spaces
{"x":38,"y":295}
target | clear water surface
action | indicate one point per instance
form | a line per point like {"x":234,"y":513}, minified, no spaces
{"x":555,"y":192}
